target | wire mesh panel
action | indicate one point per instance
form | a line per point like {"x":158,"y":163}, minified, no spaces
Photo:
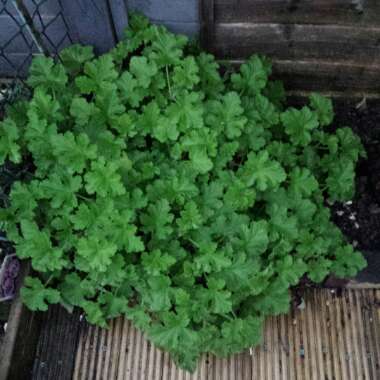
{"x":49,"y":23}
{"x":17,"y":43}
{"x":27,"y":28}
{"x":30,"y":27}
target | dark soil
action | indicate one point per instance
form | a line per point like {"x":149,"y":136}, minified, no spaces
{"x":359,"y":220}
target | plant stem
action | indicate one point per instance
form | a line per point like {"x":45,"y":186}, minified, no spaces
{"x":48,"y":280}
{"x":168,"y":81}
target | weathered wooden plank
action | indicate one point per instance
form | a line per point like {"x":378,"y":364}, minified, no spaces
{"x":333,"y":337}
{"x":207,"y":25}
{"x":313,"y":11}
{"x":340,"y":79}
{"x":19,"y":344}
{"x":57,"y":344}
{"x":320,"y":75}
{"x":295,"y":41}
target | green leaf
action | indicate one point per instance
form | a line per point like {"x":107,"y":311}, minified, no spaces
{"x":158,"y":219}
{"x":350,"y":144}
{"x":165,"y":130}
{"x":108,"y":101}
{"x":227,"y":114}
{"x":261,"y":111}
{"x":38,"y":246}
{"x":82,"y":111}
{"x":36,"y":296}
{"x":157,"y":294}
{"x":156,"y":262}
{"x":73,"y":151}
{"x":94,"y":313}
{"x":239,"y":196}
{"x":124,"y":233}
{"x":319,"y":269}
{"x":129,"y":90}
{"x":298,"y":124}
{"x":282,"y":223}
{"x":347,"y":262}
{"x":302,"y":182}
{"x":218,"y":298}
{"x":290,"y":270}
{"x":175,"y":335}
{"x":253,"y":76}
{"x":98,"y":72}
{"x":74,"y":290}
{"x":9,"y":141}
{"x":103,"y":179}
{"x":238,"y":274}
{"x":274,"y":301}
{"x":113,"y":305}
{"x":60,"y":190}
{"x":239,"y":334}
{"x":186,"y":112}
{"x":210,"y":259}
{"x":94,"y":254}
{"x":167,"y":48}
{"x":186,"y":75}
{"x":45,"y":106}
{"x":142,"y":70}
{"x":190,"y":218}
{"x":139,"y":317}
{"x":324,"y":108}
{"x":23,"y":202}
{"x":46,"y":74}
{"x":210,"y":79}
{"x":75,"y":56}
{"x":118,"y":275}
{"x":253,"y":239}
{"x":261,"y":171}
{"x":340,"y":180}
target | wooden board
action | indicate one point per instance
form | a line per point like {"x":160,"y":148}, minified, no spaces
{"x":336,"y":336}
{"x":57,"y":344}
{"x":298,"y":42}
{"x":335,"y":12}
{"x":18,"y":347}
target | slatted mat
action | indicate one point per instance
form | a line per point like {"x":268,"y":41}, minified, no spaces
{"x":335,"y":337}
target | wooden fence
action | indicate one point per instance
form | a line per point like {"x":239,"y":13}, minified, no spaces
{"x":323,"y":45}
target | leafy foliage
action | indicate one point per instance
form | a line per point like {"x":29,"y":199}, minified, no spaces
{"x":188,"y":201}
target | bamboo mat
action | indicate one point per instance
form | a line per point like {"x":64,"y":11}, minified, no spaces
{"x":335,"y":337}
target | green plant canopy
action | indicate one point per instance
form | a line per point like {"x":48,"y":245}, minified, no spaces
{"x":186,"y":200}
